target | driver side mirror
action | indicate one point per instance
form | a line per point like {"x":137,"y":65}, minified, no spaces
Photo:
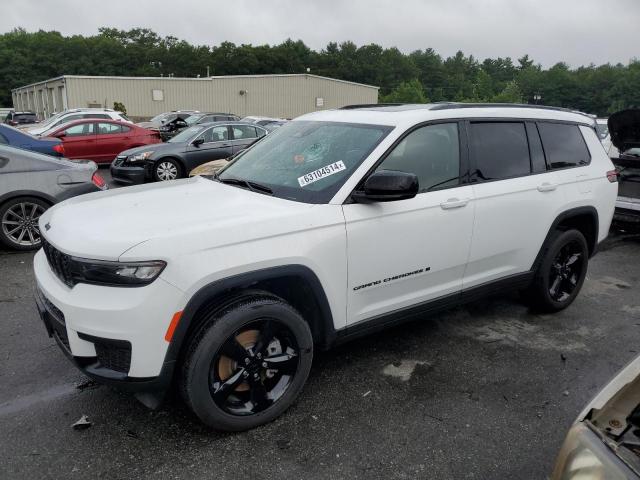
{"x":387,"y":186}
{"x":197,"y":142}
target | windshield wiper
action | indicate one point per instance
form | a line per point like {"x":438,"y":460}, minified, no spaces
{"x":253,"y":186}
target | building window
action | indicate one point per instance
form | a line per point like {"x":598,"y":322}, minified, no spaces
{"x":157,"y":95}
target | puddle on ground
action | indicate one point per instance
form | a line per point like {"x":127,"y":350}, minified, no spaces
{"x":403,"y":370}
{"x":603,"y":286}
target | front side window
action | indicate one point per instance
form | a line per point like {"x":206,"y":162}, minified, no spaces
{"x":79,"y":130}
{"x":563,"y":145}
{"x":241,"y":132}
{"x":432,"y":153}
{"x":306,"y":161}
{"x":499,"y":150}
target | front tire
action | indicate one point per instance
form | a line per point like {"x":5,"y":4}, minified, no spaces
{"x":247,"y":364}
{"x":167,"y":169}
{"x":19,"y":227}
{"x":561,"y":273}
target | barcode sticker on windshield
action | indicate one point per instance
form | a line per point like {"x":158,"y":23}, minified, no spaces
{"x":321,"y":173}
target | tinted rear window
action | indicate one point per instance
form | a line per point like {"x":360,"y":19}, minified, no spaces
{"x":500,"y":150}
{"x":24,"y":117}
{"x":563,"y":145}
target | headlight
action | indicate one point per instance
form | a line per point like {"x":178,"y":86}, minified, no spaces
{"x":133,"y":274}
{"x":139,"y":157}
{"x":584,"y":456}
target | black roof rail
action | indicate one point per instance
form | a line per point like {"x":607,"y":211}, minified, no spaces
{"x":452,"y":105}
{"x":370,"y":105}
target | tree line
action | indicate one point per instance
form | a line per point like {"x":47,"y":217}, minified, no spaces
{"x":419,"y":76}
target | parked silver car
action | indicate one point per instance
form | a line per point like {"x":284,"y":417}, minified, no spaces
{"x":30,"y":183}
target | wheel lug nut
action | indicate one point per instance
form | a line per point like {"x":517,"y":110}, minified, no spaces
{"x":264,"y":364}
{"x":247,"y":361}
{"x":259,"y":355}
{"x":245,"y":374}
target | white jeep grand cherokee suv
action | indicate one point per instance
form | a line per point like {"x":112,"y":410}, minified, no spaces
{"x":338,"y":224}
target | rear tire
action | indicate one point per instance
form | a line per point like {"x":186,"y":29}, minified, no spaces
{"x":561,"y":273}
{"x":19,"y":227}
{"x":247,"y":364}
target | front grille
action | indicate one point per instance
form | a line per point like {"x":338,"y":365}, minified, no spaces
{"x":114,"y":356}
{"x":59,"y":262}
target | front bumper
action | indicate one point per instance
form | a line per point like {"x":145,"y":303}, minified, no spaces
{"x":113,"y":334}
{"x":127,"y":174}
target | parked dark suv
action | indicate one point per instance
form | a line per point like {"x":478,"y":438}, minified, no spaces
{"x":20,"y":118}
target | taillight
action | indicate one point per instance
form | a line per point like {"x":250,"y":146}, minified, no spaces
{"x":612,"y":176}
{"x":59,"y":148}
{"x":98,"y":181}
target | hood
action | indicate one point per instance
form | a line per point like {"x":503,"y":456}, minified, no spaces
{"x":154,"y":147}
{"x":148,"y":125}
{"x":103,"y":225}
{"x":624,"y":128}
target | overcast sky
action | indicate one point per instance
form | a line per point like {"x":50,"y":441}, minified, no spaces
{"x":576,"y":31}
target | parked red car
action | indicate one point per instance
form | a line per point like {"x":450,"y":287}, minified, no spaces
{"x":101,"y":140}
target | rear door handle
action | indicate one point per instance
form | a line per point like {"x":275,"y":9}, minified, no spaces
{"x":454,"y":203}
{"x":547,"y":187}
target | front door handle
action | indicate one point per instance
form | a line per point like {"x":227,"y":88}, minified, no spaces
{"x":547,"y":187}
{"x":454,"y":203}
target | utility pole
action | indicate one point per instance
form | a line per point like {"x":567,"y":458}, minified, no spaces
{"x":208,"y":71}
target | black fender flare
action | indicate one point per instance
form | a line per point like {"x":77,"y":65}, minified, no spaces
{"x":323,"y":329}
{"x":564,"y":216}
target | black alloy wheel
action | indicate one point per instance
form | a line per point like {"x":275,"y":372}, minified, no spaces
{"x":566,"y":271}
{"x":247,"y":363}
{"x":561,"y":273}
{"x":254,"y":367}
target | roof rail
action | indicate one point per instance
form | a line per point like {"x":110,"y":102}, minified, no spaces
{"x":370,"y":105}
{"x":452,"y":105}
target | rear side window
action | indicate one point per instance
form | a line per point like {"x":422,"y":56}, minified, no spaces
{"x":499,"y":150}
{"x":108,"y":128}
{"x":241,"y":132}
{"x":563,"y":145}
